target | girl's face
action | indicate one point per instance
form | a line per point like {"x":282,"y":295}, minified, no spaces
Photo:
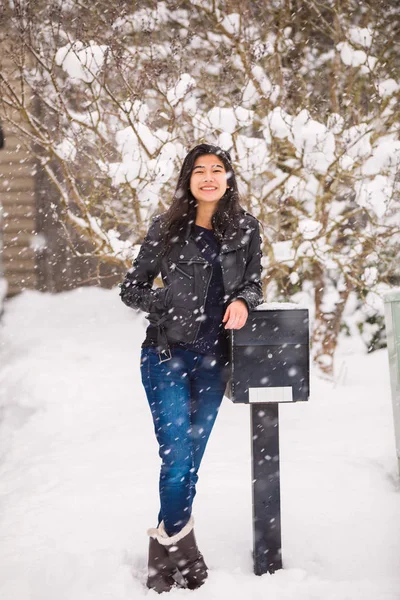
{"x":208,"y":179}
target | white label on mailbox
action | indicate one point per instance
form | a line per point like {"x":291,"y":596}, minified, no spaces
{"x":270,"y":394}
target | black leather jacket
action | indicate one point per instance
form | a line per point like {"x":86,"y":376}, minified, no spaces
{"x":177,"y":308}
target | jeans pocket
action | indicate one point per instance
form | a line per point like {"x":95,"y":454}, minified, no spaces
{"x":145,"y":355}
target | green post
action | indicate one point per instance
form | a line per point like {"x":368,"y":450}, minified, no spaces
{"x":392,"y":318}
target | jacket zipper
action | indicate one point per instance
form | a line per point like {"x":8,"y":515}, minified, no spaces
{"x":183,"y":272}
{"x":203,"y":262}
{"x":189,"y":261}
{"x":205,"y":299}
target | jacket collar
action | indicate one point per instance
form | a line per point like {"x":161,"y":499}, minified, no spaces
{"x":233,"y":237}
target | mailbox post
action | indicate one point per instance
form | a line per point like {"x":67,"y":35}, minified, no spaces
{"x":270,"y":364}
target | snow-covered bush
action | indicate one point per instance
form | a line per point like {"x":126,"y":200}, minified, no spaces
{"x":306,"y":103}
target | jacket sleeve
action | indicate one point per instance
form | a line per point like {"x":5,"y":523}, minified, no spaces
{"x":136,"y":289}
{"x":250,"y":290}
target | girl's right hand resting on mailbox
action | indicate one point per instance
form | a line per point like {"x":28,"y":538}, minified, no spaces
{"x":236,"y":315}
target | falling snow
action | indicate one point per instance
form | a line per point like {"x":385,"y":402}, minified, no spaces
{"x":79,"y":468}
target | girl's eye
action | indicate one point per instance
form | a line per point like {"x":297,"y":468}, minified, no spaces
{"x":202,"y":172}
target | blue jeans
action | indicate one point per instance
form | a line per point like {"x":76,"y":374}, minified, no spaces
{"x":184,"y":394}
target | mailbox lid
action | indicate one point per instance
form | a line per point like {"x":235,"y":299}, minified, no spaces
{"x":273,"y":327}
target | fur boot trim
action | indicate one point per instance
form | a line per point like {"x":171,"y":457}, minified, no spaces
{"x":164,"y":539}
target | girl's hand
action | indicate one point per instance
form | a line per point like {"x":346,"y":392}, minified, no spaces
{"x":236,"y":315}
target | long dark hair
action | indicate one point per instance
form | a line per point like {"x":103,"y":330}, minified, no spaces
{"x":182,"y":211}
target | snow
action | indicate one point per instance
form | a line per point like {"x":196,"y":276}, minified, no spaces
{"x":346,"y":162}
{"x":350,"y":56}
{"x":370,"y":276}
{"x":228,"y":120}
{"x":260,"y":50}
{"x":369,"y":66}
{"x":182,"y":87}
{"x":374,"y":300}
{"x":284,"y":251}
{"x":225,"y":141}
{"x":144,"y":174}
{"x":82,"y":63}
{"x":122,"y":248}
{"x":374,"y":193}
{"x":357,"y":141}
{"x":388,"y":87}
{"x":79,"y":469}
{"x":137,"y":110}
{"x":280,"y":306}
{"x":38,"y":242}
{"x":130,"y":142}
{"x":252,"y":154}
{"x":249,"y":94}
{"x":88,"y":117}
{"x":66,"y":150}
{"x":313,"y":141}
{"x":335,"y":123}
{"x":385,"y":155}
{"x":263,"y":79}
{"x":304,"y":190}
{"x":279,"y":122}
{"x":231,"y":23}
{"x":144,"y":19}
{"x":309,"y":228}
{"x":361,"y":36}
{"x":124,"y":172}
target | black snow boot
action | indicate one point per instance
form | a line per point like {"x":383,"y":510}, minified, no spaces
{"x":160,"y":568}
{"x":184,"y":554}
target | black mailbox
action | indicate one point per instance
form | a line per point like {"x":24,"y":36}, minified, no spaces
{"x":270,"y":364}
{"x":270,"y":357}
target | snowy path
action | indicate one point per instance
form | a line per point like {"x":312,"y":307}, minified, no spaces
{"x":78,"y":470}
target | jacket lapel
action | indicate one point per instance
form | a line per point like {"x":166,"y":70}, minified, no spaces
{"x":233,"y":239}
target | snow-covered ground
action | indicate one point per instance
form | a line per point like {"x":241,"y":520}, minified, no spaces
{"x":79,"y":469}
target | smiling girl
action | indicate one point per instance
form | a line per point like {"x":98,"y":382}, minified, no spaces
{"x":207,"y":248}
